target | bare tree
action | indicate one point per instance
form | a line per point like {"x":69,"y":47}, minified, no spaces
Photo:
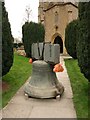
{"x":28,"y":13}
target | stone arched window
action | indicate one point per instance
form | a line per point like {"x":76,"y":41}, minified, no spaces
{"x":56,"y":17}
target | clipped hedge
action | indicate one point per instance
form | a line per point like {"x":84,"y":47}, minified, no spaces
{"x":7,"y":42}
{"x":71,"y":38}
{"x":32,"y":33}
{"x":83,"y":45}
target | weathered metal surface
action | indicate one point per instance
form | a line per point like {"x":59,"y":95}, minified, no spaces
{"x":43,"y":82}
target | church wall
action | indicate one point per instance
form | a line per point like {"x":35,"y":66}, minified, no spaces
{"x":50,"y":24}
{"x":55,"y":26}
{"x":72,"y":12}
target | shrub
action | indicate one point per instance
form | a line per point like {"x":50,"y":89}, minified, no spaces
{"x":83,"y":45}
{"x":32,"y":32}
{"x":20,"y":44}
{"x":71,"y":38}
{"x":15,"y":45}
{"x":7,"y":42}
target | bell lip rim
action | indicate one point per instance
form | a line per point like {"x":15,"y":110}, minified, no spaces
{"x":40,"y":88}
{"x":45,"y":94}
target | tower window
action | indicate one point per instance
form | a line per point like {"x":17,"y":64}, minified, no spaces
{"x":56,"y":17}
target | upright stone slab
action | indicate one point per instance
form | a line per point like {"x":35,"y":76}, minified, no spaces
{"x":52,"y":53}
{"x":36,"y":48}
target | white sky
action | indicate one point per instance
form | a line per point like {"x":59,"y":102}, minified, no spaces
{"x":16,"y":14}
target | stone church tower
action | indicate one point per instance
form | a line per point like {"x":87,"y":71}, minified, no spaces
{"x":56,"y":16}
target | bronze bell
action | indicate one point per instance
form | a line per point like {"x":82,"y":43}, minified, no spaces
{"x":43,"y":82}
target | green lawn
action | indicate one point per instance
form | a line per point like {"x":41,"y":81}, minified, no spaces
{"x":19,"y":73}
{"x":80,"y":88}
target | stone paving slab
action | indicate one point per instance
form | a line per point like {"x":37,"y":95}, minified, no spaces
{"x":21,"y":106}
{"x":15,"y":110}
{"x":50,"y":112}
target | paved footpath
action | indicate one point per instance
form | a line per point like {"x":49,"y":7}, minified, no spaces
{"x":21,"y":106}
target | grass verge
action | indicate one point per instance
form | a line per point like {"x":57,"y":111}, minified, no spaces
{"x":79,"y":86}
{"x":16,"y":77}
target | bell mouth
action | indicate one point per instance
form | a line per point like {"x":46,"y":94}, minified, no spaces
{"x":36,"y":92}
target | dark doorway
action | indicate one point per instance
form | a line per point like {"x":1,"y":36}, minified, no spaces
{"x":59,"y":41}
